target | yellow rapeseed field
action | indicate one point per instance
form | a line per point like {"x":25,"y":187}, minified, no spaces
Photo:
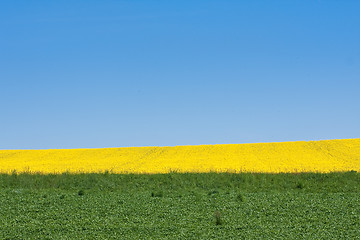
{"x":311,"y":156}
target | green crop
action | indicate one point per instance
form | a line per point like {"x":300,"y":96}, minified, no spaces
{"x":180,"y":206}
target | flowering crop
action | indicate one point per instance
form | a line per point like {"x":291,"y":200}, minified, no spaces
{"x":311,"y":156}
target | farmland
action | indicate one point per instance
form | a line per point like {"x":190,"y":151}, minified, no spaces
{"x":302,"y":190}
{"x":312,"y":156}
{"x":180,"y":206}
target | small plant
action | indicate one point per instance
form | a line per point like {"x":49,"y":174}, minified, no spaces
{"x":218,"y":220}
{"x":156,"y":194}
{"x":213,"y":192}
{"x":81,"y":192}
{"x":240,"y":197}
{"x":299,"y":185}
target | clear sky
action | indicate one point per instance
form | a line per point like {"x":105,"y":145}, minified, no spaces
{"x":85,"y":74}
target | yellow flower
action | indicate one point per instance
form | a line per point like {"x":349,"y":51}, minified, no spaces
{"x":312,"y":156}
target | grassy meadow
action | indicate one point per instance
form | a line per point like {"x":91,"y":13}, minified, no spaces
{"x":180,"y":206}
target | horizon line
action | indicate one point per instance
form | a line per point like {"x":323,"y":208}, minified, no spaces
{"x":149,"y":146}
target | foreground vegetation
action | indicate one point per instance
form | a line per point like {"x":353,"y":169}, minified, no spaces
{"x":180,"y":206}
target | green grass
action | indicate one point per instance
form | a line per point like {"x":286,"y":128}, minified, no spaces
{"x":180,"y":206}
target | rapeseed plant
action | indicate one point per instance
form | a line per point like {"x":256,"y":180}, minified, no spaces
{"x":294,"y":157}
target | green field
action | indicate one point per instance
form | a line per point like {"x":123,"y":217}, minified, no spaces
{"x":180,"y":206}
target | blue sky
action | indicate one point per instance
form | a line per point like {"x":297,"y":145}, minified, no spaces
{"x":85,"y":74}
